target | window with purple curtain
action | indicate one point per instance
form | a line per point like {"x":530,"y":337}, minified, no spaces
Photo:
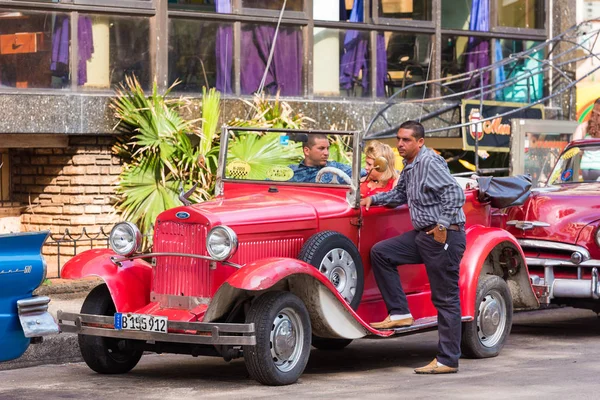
{"x":284,"y":75}
{"x":478,"y":50}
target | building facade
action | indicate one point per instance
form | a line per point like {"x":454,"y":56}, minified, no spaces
{"x":337,"y":61}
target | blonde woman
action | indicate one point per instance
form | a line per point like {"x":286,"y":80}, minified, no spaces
{"x":378,"y":181}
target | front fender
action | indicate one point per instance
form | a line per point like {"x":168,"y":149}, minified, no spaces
{"x":330,"y":315}
{"x":481,"y":243}
{"x":128,"y":284}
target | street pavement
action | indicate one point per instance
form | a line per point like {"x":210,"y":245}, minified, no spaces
{"x":549,"y":354}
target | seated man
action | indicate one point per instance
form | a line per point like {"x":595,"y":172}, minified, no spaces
{"x":316,"y":155}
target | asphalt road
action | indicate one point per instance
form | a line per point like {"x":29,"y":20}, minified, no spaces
{"x":550,"y":355}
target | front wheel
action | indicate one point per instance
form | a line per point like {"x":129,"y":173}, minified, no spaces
{"x":102,"y":354}
{"x":283,"y":334}
{"x":486,"y":335}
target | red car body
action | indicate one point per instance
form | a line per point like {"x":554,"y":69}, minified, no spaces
{"x":274,"y":222}
{"x":558,"y":229}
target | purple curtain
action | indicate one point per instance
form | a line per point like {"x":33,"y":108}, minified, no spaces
{"x":61,"y":46}
{"x":86,"y":47}
{"x":224,"y":50}
{"x":355,"y":56}
{"x":478,"y":50}
{"x":285,"y":71}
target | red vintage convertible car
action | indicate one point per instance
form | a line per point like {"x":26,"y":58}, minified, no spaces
{"x":558,"y":228}
{"x":271,"y":266}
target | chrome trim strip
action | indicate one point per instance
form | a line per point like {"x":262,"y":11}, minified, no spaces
{"x":526,"y":225}
{"x":548,"y":262}
{"x":544,"y":244}
{"x":117,"y":260}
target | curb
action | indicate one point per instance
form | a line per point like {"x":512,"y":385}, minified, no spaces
{"x":58,"y":349}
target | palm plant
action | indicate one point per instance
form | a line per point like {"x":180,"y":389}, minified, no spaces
{"x":159,"y":156}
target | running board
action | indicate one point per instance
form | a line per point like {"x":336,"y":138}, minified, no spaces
{"x":422,"y":324}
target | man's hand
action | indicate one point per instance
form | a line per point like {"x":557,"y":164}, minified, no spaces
{"x":367,"y":201}
{"x":438,"y":236}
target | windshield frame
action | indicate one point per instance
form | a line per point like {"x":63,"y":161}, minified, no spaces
{"x":353,"y":192}
{"x":582,"y":145}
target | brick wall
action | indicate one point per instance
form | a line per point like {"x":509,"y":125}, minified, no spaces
{"x":67,"y":188}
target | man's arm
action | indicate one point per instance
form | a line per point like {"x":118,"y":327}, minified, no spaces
{"x":452,"y":197}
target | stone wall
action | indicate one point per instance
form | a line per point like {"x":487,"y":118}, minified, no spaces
{"x":69,"y":188}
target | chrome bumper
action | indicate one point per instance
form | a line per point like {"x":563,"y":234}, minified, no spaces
{"x":549,"y":262}
{"x":205,"y":333}
{"x":35,"y":319}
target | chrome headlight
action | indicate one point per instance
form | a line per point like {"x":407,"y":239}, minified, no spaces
{"x":221,"y":242}
{"x":598,"y":236}
{"x":125,"y":238}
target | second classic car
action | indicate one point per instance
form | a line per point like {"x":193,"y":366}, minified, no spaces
{"x":273,"y":265}
{"x":558,"y":228}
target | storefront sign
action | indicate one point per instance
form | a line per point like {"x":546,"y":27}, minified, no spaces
{"x":494,"y":134}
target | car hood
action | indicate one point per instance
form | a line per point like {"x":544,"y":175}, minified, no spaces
{"x":566,"y":208}
{"x":263,"y":211}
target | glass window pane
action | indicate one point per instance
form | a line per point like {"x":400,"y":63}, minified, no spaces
{"x":111,"y":48}
{"x":220,"y":6}
{"x":341,"y":63}
{"x":456,"y":14}
{"x":521,"y":13}
{"x":291,"y":5}
{"x":405,"y":9}
{"x":285,"y":70}
{"x":408,"y":59}
{"x":462,"y":54}
{"x":34,"y":49}
{"x":525,"y":76}
{"x":200,"y":54}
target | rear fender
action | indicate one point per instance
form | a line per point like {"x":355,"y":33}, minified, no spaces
{"x":128,"y":284}
{"x":493,"y":251}
{"x":330,"y":315}
{"x":22,"y":270}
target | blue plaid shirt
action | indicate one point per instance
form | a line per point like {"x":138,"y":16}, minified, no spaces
{"x":303,"y":173}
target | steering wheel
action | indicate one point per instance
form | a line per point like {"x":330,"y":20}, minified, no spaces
{"x":334,"y":171}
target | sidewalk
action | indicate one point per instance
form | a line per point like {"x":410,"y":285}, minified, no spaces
{"x":65,"y":295}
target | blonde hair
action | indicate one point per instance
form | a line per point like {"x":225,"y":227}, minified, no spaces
{"x":377,"y":149}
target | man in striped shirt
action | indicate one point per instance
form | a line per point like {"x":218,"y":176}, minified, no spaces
{"x":435,"y":201}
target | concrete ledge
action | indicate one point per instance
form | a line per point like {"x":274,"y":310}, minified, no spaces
{"x":59,"y":349}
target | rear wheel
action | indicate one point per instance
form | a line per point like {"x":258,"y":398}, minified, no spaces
{"x":106,"y":355}
{"x":486,"y":335}
{"x":282,"y":327}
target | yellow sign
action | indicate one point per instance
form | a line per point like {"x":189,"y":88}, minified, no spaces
{"x":280,"y":173}
{"x":238,"y":170}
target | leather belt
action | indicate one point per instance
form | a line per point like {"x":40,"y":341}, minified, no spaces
{"x":452,"y":227}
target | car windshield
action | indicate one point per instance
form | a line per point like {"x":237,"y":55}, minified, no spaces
{"x":577,"y":165}
{"x":300,"y":157}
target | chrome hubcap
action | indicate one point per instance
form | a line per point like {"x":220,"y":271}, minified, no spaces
{"x":287,"y":339}
{"x":491,"y":319}
{"x":338,"y":266}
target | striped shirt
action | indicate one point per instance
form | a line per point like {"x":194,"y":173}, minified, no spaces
{"x":432,"y":194}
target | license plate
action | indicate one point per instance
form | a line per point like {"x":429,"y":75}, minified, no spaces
{"x":140,"y":322}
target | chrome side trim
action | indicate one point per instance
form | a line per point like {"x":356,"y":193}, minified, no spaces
{"x":206,"y":333}
{"x":526,"y":225}
{"x":117,"y":260}
{"x":35,"y":319}
{"x":545,"y":244}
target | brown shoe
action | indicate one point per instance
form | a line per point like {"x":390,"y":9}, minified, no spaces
{"x":433,"y":368}
{"x":389,"y":324}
